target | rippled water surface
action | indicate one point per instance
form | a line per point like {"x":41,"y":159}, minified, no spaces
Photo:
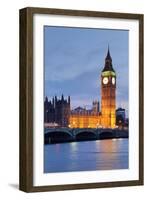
{"x":86,"y":156}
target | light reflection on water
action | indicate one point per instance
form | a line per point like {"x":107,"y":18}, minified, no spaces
{"x":86,"y":156}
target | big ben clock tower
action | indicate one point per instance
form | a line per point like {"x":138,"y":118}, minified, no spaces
{"x":108,"y":94}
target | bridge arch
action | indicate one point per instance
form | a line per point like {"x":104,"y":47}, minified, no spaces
{"x":106,"y":134}
{"x":58,"y":136}
{"x":84,"y":135}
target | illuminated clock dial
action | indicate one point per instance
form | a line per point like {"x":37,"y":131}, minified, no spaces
{"x":113,"y":80}
{"x":105,"y":80}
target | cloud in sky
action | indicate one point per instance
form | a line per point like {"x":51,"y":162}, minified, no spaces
{"x":74,"y":59}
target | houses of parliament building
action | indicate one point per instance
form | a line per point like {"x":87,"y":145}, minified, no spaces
{"x":58,"y":112}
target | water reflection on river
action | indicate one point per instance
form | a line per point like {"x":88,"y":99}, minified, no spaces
{"x":86,"y":156}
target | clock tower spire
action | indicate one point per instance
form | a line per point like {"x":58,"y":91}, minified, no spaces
{"x":108,"y":93}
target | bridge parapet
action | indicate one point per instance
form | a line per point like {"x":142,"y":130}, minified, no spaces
{"x":75,"y":131}
{"x":76,"y":134}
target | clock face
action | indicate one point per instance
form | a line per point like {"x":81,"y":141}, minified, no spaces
{"x":113,"y":80}
{"x":105,"y":80}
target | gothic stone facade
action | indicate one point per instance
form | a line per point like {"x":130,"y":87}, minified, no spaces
{"x":57,"y":111}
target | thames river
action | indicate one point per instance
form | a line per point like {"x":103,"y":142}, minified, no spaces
{"x":86,"y":156}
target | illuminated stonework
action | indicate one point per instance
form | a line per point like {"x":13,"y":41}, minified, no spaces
{"x":107,"y":117}
{"x":84,"y":121}
{"x":108,"y":94}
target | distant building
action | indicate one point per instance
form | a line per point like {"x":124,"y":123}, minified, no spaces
{"x":120,"y":116}
{"x":57,"y":111}
{"x":96,"y":107}
{"x":78,"y":110}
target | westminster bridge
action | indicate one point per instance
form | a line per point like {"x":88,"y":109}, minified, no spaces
{"x":59,"y":135}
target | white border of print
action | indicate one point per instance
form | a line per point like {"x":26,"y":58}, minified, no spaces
{"x":42,"y":179}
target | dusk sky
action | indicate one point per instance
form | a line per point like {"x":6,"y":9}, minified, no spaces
{"x":74,"y":59}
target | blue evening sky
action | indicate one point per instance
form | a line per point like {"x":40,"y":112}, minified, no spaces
{"x":74,"y":59}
